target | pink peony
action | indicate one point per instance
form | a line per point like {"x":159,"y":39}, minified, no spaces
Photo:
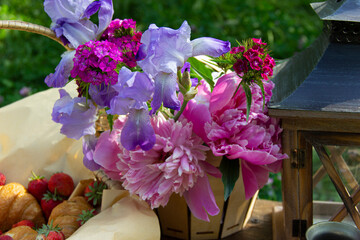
{"x":176,"y":164}
{"x":256,"y":141}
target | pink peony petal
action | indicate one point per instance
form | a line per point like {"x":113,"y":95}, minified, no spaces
{"x":106,"y":150}
{"x":254,"y":177}
{"x":201,"y":200}
{"x":223,"y":91}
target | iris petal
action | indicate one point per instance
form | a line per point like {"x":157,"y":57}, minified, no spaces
{"x":62,"y":71}
{"x":210,"y":46}
{"x":138,"y":131}
{"x":165,"y":91}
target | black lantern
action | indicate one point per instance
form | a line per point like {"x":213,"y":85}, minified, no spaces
{"x":317,"y":99}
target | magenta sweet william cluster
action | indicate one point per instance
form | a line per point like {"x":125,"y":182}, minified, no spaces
{"x":252,"y":61}
{"x":97,"y":62}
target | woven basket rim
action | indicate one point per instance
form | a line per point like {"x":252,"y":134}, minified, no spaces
{"x":31,"y":27}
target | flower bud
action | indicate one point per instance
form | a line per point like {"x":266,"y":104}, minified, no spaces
{"x":186,"y":81}
{"x":190,"y":94}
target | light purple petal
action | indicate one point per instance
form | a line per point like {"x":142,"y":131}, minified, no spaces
{"x":166,"y":49}
{"x":210,"y":46}
{"x":89,"y":143}
{"x":200,"y":199}
{"x":134,"y":85}
{"x":77,"y":32}
{"x":92,"y":9}
{"x":77,"y":117}
{"x":165,"y":92}
{"x":65,"y":8}
{"x":105,"y":15}
{"x":62,"y":71}
{"x":102,"y":94}
{"x":138,"y":131}
{"x":120,"y":106}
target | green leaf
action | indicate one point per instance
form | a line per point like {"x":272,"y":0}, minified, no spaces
{"x":248,"y":99}
{"x":230,"y":173}
{"x":261,"y":85}
{"x":225,"y":61}
{"x":201,"y":70}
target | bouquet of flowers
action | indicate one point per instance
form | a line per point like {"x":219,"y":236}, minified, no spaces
{"x":164,"y":105}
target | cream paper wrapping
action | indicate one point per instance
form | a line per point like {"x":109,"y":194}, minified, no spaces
{"x":31,"y":141}
{"x":128,"y":218}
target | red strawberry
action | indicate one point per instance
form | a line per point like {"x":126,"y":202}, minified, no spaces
{"x":2,"y":179}
{"x":6,"y":237}
{"x":49,"y":201}
{"x":63,"y":184}
{"x":24,"y":223}
{"x":37,"y":186}
{"x":93,"y":192}
{"x":85,"y":216}
{"x":49,"y":232}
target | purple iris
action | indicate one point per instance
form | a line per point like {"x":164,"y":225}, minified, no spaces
{"x":70,"y":19}
{"x":70,"y":22}
{"x":76,"y":115}
{"x":138,"y":130}
{"x":102,"y":94}
{"x":164,"y":51}
{"x":89,"y":144}
{"x":134,"y":90}
{"x":62,"y":71}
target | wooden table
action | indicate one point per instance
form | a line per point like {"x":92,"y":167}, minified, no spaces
{"x":259,"y":226}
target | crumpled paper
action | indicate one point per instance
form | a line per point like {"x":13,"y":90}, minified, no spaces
{"x":127,"y":218}
{"x":31,"y":141}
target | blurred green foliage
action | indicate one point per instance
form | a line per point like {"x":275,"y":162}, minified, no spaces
{"x":26,"y":58}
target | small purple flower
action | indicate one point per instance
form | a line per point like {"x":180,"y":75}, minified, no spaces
{"x":25,"y":91}
{"x":164,"y":51}
{"x":77,"y":115}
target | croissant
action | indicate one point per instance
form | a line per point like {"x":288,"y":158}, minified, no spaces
{"x":65,"y":214}
{"x":22,"y":233}
{"x":17,"y":204}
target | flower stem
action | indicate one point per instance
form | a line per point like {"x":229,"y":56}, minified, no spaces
{"x":183,"y":106}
